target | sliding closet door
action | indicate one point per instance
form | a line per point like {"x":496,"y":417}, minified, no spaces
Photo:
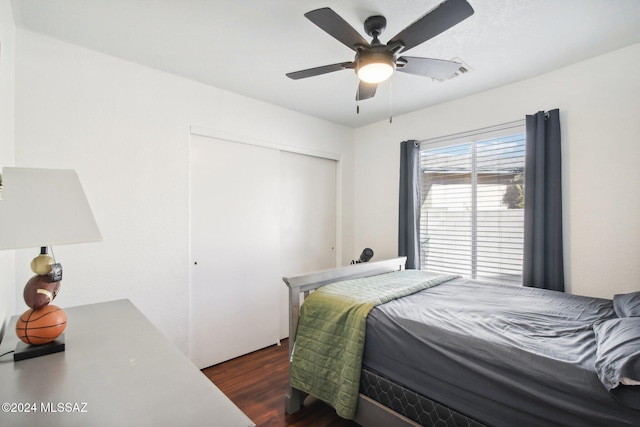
{"x":235,"y":234}
{"x":257,"y":214}
{"x":307,"y":219}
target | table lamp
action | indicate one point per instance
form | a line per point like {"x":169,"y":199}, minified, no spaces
{"x":43,"y":208}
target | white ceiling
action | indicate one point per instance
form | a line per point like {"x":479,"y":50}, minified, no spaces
{"x":247,"y":46}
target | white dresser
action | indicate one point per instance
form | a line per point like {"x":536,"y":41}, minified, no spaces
{"x":118,"y":370}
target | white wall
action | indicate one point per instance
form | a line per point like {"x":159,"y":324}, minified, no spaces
{"x":7,"y":61}
{"x":125,"y":129}
{"x":600,"y":122}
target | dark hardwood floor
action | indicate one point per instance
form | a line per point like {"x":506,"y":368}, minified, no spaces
{"x":257,"y":384}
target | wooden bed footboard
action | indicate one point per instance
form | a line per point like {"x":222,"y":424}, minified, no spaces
{"x":299,"y":288}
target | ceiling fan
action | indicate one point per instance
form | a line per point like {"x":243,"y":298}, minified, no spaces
{"x":375,"y":62}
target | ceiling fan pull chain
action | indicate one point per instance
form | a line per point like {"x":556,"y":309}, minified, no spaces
{"x":358,"y":99}
{"x":390,"y":104}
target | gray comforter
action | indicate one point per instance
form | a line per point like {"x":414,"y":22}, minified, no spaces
{"x":504,"y":355}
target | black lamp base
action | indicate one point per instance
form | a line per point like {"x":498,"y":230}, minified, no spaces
{"x":25,"y":351}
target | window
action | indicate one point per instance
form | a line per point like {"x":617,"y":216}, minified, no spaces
{"x":472,"y":200}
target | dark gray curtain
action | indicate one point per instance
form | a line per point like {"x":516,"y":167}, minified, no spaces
{"x":543,"y":265}
{"x":409,"y":206}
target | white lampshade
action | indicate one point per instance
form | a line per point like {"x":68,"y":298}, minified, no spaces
{"x":44,"y":207}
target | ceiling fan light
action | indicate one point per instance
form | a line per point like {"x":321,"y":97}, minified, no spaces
{"x":375,"y":68}
{"x":375,"y":73}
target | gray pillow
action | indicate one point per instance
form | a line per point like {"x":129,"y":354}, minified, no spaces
{"x":627,"y":305}
{"x":618,"y":358}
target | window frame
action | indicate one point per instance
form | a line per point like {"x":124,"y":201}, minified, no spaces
{"x":516,"y":128}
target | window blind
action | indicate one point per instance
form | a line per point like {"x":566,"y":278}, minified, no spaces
{"x":472,"y":200}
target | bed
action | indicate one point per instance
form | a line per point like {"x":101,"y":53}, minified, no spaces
{"x":458,"y":352}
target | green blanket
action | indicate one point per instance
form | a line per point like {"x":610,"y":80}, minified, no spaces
{"x":327,"y":356}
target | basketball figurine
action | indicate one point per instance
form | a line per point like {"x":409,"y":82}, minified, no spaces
{"x":41,"y":326}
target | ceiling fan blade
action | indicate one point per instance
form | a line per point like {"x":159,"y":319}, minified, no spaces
{"x":427,"y":67}
{"x":439,"y":19}
{"x":366,"y":90}
{"x":336,"y":27}
{"x":303,"y":74}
